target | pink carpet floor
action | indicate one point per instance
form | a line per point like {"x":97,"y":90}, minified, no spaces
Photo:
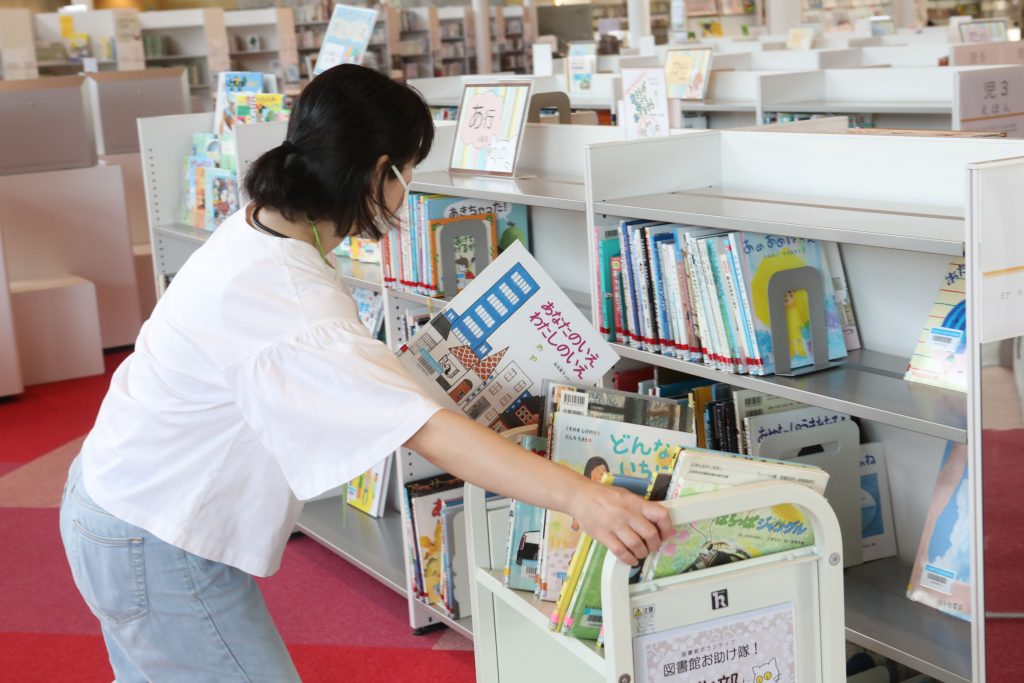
{"x":339,"y":624}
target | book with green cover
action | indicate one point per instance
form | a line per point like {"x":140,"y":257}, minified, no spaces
{"x":738,"y":536}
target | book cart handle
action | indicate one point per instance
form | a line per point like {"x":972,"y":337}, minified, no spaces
{"x":615,"y":593}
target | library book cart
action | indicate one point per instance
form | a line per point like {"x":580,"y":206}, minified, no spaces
{"x":512,"y":641}
{"x":900,"y":208}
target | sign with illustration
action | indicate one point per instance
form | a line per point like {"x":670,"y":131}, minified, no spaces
{"x":686,"y":72}
{"x":983,"y":31}
{"x":753,"y":647}
{"x":580,"y":66}
{"x":347,"y":36}
{"x":644,"y":103}
{"x":490,"y":128}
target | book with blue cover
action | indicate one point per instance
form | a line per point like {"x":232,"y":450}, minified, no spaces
{"x":941,"y":577}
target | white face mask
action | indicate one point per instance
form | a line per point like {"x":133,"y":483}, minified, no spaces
{"x":403,"y":211}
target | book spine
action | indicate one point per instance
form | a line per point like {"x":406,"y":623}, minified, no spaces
{"x":670,"y":284}
{"x":570,"y":583}
{"x":617,"y":300}
{"x":406,"y":280}
{"x":687,"y":300}
{"x":733,"y":309}
{"x":713,"y":357}
{"x":628,"y":272}
{"x":755,"y":365}
{"x":506,"y":573}
{"x":605,"y":254}
{"x":643,"y":282}
{"x":716,"y":297}
{"x":837,"y":277}
{"x":660,"y":333}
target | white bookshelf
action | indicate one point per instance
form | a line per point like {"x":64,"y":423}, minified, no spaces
{"x":458,"y":41}
{"x":264,"y":40}
{"x":840,"y":15}
{"x":194,"y":38}
{"x":17,"y":45}
{"x":895,"y":253}
{"x":115,"y":40}
{"x":419,"y":42}
{"x":916,"y":98}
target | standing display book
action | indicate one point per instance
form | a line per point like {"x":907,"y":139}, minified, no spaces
{"x":942,"y":568}
{"x":488,"y":351}
{"x":348,"y":34}
{"x":489,"y":132}
{"x":940,"y":358}
{"x":368,"y":491}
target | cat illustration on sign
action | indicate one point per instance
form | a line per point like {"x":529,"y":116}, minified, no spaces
{"x":767,"y":673}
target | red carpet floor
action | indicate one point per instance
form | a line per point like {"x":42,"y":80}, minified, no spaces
{"x":339,"y":624}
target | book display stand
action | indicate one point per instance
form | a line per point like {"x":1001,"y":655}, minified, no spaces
{"x":895,"y":244}
{"x":196,"y":39}
{"x":165,"y":143}
{"x":808,"y":582}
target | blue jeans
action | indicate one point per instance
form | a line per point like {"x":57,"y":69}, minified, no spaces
{"x":166,"y":614}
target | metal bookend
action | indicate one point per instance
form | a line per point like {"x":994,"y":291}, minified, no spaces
{"x":807,"y":279}
{"x":840,"y":457}
{"x":550,"y":100}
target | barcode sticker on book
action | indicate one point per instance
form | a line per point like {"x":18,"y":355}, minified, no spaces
{"x":946,"y":339}
{"x":530,"y":571}
{"x":574,"y":403}
{"x":591,"y":618}
{"x":753,"y":400}
{"x":937,"y":579}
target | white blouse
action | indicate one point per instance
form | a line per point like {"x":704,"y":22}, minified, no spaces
{"x":252,"y":387}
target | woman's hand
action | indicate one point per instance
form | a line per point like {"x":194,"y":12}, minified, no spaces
{"x":630,"y":526}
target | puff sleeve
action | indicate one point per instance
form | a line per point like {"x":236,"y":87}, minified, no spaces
{"x":329,"y":403}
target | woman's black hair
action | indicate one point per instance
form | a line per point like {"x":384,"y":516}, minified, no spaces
{"x":326,"y":169}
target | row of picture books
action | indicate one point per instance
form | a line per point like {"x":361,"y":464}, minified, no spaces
{"x":701,"y":295}
{"x":211,"y":189}
{"x":446,"y":241}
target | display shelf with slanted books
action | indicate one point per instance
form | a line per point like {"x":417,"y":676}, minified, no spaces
{"x":164,"y":142}
{"x":896,"y":242}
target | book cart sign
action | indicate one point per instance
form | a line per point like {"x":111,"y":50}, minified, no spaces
{"x":991,"y":100}
{"x":347,"y":36}
{"x":490,"y":128}
{"x":752,"y":647}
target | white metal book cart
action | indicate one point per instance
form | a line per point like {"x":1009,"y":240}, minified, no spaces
{"x":652,"y":630}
